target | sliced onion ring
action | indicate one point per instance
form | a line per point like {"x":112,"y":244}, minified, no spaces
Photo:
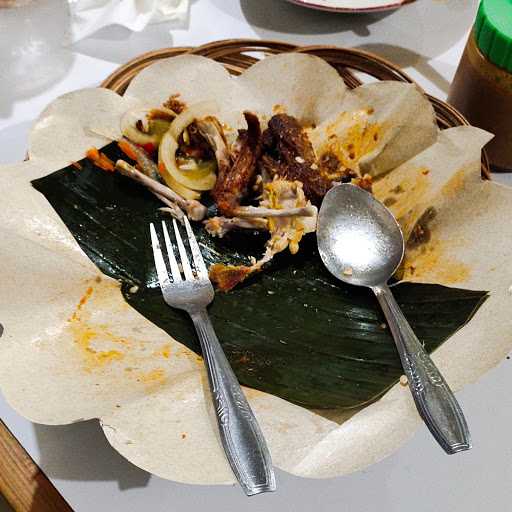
{"x":140,"y":114}
{"x":200,"y":179}
{"x":194,"y":111}
{"x":182,"y":191}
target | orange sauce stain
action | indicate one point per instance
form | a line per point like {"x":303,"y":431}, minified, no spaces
{"x":109,"y":355}
{"x":186,"y":352}
{"x":99,"y":348}
{"x":434,"y":262}
{"x":350,"y":137}
{"x":152,"y":379}
{"x":404,"y":195}
{"x":163,"y":351}
{"x":85,"y":335}
{"x":455,"y":185}
{"x":278,"y":109}
{"x":85,"y":297}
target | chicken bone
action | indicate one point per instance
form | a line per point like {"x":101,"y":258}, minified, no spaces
{"x":194,"y":209}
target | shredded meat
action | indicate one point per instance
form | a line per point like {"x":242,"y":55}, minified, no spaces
{"x":285,"y":231}
{"x":197,"y":147}
{"x":219,"y":226}
{"x":212,"y":131}
{"x":234,"y":182}
{"x":365,"y":183}
{"x":175,"y":104}
{"x":288,"y":154}
{"x":347,"y":176}
{"x":421,"y":233}
{"x":226,"y":277}
{"x":329,"y":165}
{"x":286,"y":139}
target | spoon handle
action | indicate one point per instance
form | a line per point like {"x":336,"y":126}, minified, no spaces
{"x":434,"y":399}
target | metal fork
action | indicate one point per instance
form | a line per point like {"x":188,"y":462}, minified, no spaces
{"x":243,"y":441}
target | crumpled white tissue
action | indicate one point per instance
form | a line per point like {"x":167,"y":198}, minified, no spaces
{"x":88,"y":16}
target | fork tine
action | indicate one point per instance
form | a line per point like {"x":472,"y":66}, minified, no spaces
{"x":201,"y":270}
{"x":161,"y":269}
{"x":175,"y":270}
{"x":187,"y":270}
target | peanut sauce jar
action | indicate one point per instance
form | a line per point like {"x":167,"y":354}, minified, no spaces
{"x":482,"y":87}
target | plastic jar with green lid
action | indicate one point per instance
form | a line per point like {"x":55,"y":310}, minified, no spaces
{"x":482,"y":87}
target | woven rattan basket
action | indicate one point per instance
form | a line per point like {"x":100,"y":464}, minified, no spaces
{"x":238,"y":54}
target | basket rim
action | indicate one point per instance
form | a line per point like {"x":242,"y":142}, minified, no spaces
{"x":254,"y":45}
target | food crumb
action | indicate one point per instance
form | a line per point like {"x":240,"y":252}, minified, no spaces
{"x":403,"y":380}
{"x":348,"y":271}
{"x":175,"y":104}
{"x":314,"y":167}
{"x":300,"y":160}
{"x":425,"y":172}
{"x":118,"y":406}
{"x":134,"y":289}
{"x":183,"y":436}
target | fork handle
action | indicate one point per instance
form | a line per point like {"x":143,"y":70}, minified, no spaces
{"x":243,"y":441}
{"x":434,"y":399}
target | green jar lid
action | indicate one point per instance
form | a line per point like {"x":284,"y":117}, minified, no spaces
{"x":493,"y":32}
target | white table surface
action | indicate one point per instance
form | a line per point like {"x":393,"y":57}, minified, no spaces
{"x":77,"y":458}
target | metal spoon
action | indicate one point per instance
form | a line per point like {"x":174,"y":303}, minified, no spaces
{"x":361,"y":243}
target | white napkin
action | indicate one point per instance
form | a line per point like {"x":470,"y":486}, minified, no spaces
{"x":87,"y":16}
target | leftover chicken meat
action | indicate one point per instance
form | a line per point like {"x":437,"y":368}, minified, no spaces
{"x":264,"y":177}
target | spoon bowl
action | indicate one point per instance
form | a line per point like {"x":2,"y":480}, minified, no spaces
{"x":359,"y":240}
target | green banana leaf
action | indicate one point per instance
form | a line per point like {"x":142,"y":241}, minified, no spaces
{"x":292,"y":330}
